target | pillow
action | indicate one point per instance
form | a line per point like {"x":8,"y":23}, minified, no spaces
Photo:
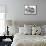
{"x":36,"y":30}
{"x":28,"y":31}
{"x":24,"y":30}
{"x":21,"y":30}
{"x":44,"y":29}
{"x":13,"y":30}
{"x":28,"y":26}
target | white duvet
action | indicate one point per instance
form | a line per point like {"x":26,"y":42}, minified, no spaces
{"x":29,"y":40}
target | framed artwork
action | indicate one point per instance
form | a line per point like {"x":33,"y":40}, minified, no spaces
{"x":29,"y":10}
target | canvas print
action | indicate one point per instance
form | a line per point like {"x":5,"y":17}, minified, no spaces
{"x":30,"y":9}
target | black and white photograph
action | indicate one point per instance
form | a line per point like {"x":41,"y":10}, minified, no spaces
{"x":29,"y":9}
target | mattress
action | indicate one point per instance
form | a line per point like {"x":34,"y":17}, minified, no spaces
{"x":28,"y":40}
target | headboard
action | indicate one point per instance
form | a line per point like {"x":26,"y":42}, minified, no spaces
{"x":21,"y":23}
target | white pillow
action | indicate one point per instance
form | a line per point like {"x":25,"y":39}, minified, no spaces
{"x":36,"y":30}
{"x":21,"y":30}
{"x":28,"y":31}
{"x":44,"y":29}
{"x":13,"y":30}
{"x":28,"y":26}
{"x":24,"y":30}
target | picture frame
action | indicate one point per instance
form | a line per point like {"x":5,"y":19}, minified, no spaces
{"x":30,"y":9}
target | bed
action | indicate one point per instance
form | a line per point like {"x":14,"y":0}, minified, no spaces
{"x":29,"y":40}
{"x":20,"y":39}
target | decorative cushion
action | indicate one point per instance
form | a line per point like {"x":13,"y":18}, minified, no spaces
{"x":36,"y":30}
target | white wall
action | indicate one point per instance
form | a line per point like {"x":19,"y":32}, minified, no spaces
{"x":15,"y":9}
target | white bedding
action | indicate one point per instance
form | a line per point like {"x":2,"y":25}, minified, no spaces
{"x":29,"y":40}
